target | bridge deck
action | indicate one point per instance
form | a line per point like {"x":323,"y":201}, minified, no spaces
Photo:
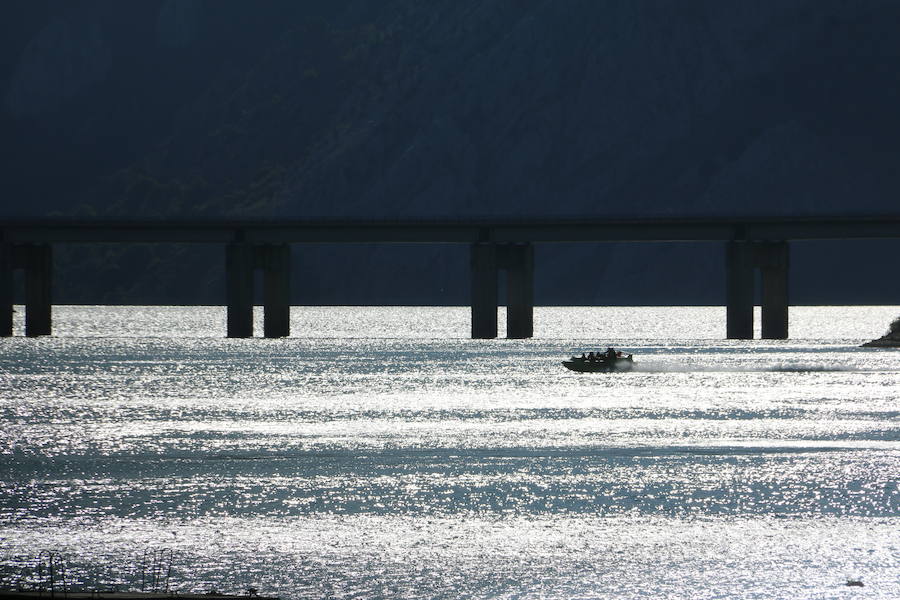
{"x":50,"y":230}
{"x":752,"y":243}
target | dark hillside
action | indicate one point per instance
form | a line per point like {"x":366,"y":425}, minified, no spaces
{"x":488,"y":107}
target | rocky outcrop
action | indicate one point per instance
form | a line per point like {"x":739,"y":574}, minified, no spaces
{"x":889,"y":340}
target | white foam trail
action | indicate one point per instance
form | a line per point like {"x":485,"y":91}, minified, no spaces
{"x":675,"y":367}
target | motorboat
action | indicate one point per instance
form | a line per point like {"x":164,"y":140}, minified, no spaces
{"x":600,"y":363}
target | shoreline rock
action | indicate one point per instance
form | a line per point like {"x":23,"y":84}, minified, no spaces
{"x":886,"y":341}
{"x":889,"y":340}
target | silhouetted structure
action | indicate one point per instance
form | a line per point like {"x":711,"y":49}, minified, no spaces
{"x":772,"y":258}
{"x":751,"y":243}
{"x":36,"y":260}
{"x":275,"y":261}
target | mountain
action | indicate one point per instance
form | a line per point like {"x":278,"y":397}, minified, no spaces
{"x":463,"y":108}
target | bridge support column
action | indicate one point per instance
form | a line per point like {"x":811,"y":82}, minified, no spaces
{"x":276,"y":265}
{"x":519,"y":265}
{"x":773,"y":260}
{"x":239,"y":290}
{"x":37,"y":259}
{"x":739,"y":292}
{"x":6,"y":289}
{"x":484,"y":290}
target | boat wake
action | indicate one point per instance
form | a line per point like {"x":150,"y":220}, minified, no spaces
{"x":672,"y":367}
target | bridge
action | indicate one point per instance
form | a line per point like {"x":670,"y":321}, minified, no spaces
{"x":761,"y":243}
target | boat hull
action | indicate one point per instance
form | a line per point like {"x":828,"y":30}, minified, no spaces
{"x":579,"y":365}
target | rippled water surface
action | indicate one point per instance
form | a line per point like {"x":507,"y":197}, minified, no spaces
{"x":380,"y":453}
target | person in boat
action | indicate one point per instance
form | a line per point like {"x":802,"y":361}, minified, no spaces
{"x":611,"y":354}
{"x":590,"y":356}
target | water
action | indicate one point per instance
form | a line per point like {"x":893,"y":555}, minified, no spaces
{"x":381,"y":453}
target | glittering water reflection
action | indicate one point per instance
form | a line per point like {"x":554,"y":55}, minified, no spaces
{"x":368,"y":463}
{"x":472,"y":556}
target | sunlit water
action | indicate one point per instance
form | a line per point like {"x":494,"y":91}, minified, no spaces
{"x":380,"y":453}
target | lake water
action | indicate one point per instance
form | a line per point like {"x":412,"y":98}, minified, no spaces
{"x":380,"y":453}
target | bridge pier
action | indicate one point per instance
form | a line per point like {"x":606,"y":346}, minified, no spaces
{"x":241,"y":259}
{"x":484,"y":290}
{"x":518,"y":260}
{"x":739,"y":291}
{"x":239,"y":290}
{"x":275,"y":261}
{"x":772,"y":258}
{"x":6,"y":289}
{"x":38,"y":262}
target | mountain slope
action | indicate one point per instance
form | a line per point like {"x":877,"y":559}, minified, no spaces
{"x":489,"y":107}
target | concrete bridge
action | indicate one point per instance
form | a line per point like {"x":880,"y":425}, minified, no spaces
{"x":508,"y":244}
